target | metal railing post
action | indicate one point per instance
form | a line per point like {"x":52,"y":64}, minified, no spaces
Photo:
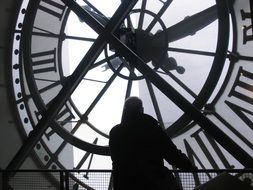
{"x":61,"y":180}
{"x":4,"y":180}
{"x":1,"y":180}
{"x":66,"y":180}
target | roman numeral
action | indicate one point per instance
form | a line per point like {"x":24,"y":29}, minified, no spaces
{"x":53,"y":8}
{"x":245,"y":15}
{"x":206,"y":150}
{"x":240,"y":112}
{"x":195,"y":157}
{"x":234,"y":130}
{"x":44,"y":61}
{"x":206,"y":145}
{"x":241,"y":90}
{"x":241,"y":84}
{"x":247,"y":37}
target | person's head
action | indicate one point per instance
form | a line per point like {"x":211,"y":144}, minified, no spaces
{"x":133,"y":107}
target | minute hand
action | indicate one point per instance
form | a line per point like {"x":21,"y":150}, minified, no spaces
{"x":188,"y":26}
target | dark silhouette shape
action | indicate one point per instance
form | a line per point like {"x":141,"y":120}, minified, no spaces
{"x":138,"y":146}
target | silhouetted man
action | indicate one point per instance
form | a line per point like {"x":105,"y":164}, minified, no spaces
{"x":138,"y":146}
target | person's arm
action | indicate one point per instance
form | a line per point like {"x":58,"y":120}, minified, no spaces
{"x":173,"y":155}
{"x":168,"y":149}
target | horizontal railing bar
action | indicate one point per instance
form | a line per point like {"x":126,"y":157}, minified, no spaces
{"x":108,"y":171}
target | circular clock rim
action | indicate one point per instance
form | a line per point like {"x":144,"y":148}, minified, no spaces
{"x":104,"y":150}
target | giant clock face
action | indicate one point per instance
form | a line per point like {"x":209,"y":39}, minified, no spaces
{"x":75,"y":62}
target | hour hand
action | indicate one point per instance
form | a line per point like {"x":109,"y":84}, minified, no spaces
{"x":189,"y":26}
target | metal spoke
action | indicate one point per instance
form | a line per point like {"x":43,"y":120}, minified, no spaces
{"x":84,"y":117}
{"x":129,"y":87}
{"x":105,"y":60}
{"x":196,"y":52}
{"x":155,"y":103}
{"x":159,"y":14}
{"x":130,"y":81}
{"x":141,"y":18}
{"x":101,"y":93}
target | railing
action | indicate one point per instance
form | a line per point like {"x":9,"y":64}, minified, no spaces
{"x":102,"y":180}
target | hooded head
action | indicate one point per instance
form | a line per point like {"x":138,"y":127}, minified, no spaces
{"x":132,"y":108}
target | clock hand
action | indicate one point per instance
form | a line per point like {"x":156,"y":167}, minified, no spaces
{"x":62,"y":36}
{"x":188,"y":26}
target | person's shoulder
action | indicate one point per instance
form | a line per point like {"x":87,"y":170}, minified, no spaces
{"x":153,"y":123}
{"x":150,"y":119}
{"x":115,"y":129}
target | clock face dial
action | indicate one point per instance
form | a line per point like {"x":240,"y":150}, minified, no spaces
{"x":54,"y":42}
